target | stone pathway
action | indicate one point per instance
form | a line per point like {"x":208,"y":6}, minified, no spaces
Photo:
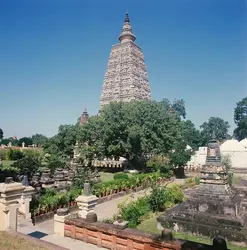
{"x":105,"y":210}
{"x":45,"y":230}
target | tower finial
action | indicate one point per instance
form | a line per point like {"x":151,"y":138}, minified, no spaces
{"x":126,"y":34}
{"x":126,"y":20}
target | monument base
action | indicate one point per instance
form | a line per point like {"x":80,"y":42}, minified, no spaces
{"x":213,"y":210}
{"x":86,"y":204}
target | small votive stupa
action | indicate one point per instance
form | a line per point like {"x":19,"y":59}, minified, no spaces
{"x":215,"y":208}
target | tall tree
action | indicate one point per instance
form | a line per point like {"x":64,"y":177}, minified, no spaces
{"x":1,"y":134}
{"x":13,"y":140}
{"x":27,"y":140}
{"x":132,"y":130}
{"x":192,"y":136}
{"x":179,"y":156}
{"x":39,"y":139}
{"x":214,"y":127}
{"x":240,"y":119}
{"x":63,"y":143}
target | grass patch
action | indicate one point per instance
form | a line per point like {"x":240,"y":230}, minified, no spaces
{"x":105,"y":176}
{"x":150,"y":225}
{"x":108,"y":176}
{"x":10,"y":242}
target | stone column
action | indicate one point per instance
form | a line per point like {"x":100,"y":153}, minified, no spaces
{"x":25,"y":201}
{"x":86,"y":202}
{"x":10,"y":193}
{"x":59,"y":219}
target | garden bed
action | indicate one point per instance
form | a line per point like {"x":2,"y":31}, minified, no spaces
{"x":38,"y":218}
{"x":119,"y":194}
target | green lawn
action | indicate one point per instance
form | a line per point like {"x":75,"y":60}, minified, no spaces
{"x":106,"y":176}
{"x":150,"y":225}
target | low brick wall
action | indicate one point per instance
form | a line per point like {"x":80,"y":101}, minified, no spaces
{"x":105,"y":235}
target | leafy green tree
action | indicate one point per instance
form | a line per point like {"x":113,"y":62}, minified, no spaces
{"x":63,"y":143}
{"x":39,"y":139}
{"x":6,"y":141}
{"x":90,"y":139}
{"x":53,"y":162}
{"x":214,"y":127}
{"x":240,"y":119}
{"x":177,"y":106}
{"x":179,"y":156}
{"x":1,"y":134}
{"x":132,"y":130}
{"x":27,"y":140}
{"x":191,"y":135}
{"x":27,"y":165}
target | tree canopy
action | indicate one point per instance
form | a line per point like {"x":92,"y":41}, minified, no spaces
{"x":240,"y":119}
{"x":39,"y":139}
{"x":132,"y":130}
{"x":177,"y":106}
{"x":27,"y":140}
{"x":62,"y":144}
{"x":192,"y":136}
{"x":214,"y":127}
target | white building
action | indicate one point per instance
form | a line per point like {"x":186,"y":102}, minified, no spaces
{"x":237,"y":151}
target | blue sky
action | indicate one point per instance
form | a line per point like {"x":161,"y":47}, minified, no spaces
{"x":53,"y":57}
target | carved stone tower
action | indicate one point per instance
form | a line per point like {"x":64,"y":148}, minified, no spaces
{"x":126,"y":77}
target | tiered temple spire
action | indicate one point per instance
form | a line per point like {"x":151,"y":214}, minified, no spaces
{"x":126,"y":77}
{"x":126,"y":34}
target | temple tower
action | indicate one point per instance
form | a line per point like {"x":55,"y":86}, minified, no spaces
{"x":126,"y":77}
{"x":84,"y":117}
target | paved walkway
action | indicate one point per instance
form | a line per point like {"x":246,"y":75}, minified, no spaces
{"x":105,"y":210}
{"x":45,"y":230}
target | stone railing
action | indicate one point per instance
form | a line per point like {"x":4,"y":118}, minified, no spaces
{"x":108,"y":236}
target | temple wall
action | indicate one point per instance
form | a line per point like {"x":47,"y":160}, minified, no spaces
{"x":238,"y":158}
{"x":106,"y":235}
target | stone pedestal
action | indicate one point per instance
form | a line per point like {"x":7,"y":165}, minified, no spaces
{"x":59,"y":219}
{"x":25,"y":202}
{"x":86,"y":204}
{"x":10,"y":193}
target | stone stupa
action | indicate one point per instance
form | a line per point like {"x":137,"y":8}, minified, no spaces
{"x":214,"y":208}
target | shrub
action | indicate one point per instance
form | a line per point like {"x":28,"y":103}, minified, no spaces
{"x":27,"y":165}
{"x":3,"y":154}
{"x":120,"y":176}
{"x":32,"y":153}
{"x":173,"y":194}
{"x":14,"y":155}
{"x":197,"y":180}
{"x":157,"y":198}
{"x":133,"y":212}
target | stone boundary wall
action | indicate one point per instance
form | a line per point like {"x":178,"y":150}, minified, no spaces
{"x":107,"y":236}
